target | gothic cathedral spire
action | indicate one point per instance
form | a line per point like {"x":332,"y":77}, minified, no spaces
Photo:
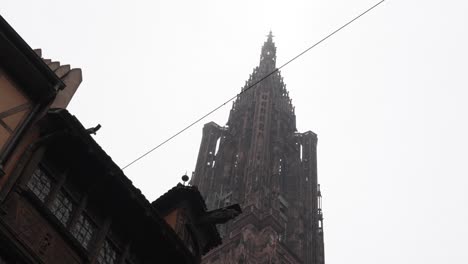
{"x":260,"y":161}
{"x":268,"y":56}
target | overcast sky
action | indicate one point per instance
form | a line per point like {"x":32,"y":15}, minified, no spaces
{"x":387,"y":97}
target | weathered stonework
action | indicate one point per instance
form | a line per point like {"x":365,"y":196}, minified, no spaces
{"x":260,"y":161}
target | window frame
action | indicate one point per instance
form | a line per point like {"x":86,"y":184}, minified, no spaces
{"x":110,"y":246}
{"x":32,"y":188}
{"x":71,"y":206}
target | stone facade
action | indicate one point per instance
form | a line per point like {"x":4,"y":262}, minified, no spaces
{"x":260,"y":161}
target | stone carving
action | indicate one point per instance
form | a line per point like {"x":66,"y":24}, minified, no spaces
{"x":45,"y":243}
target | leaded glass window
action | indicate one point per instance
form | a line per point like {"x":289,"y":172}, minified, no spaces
{"x":83,"y":230}
{"x":107,"y":254}
{"x":62,"y":208}
{"x":40,"y":184}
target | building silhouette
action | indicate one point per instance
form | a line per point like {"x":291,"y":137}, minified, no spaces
{"x":62,"y":198}
{"x":260,"y":161}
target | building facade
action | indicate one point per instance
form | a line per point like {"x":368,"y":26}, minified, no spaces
{"x":62,"y":198}
{"x":260,"y":161}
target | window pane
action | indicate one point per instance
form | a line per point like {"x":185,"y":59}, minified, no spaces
{"x":62,"y":207}
{"x":83,"y":230}
{"x":107,"y":254}
{"x":40,"y":184}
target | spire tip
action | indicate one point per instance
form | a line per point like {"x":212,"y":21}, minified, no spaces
{"x":270,"y":36}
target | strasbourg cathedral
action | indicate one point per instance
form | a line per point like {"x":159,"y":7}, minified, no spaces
{"x":260,"y":161}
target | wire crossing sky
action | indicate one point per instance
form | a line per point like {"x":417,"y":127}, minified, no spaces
{"x":251,"y":86}
{"x":386,"y":97}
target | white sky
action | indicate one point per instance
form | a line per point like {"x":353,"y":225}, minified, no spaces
{"x":386,"y":96}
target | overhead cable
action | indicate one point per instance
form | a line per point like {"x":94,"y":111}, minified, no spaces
{"x":252,"y":85}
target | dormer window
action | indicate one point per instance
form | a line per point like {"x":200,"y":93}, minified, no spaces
{"x":184,"y":210}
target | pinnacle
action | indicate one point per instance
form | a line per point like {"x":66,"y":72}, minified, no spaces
{"x":270,"y":37}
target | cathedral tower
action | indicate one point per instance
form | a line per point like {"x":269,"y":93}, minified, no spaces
{"x":260,"y":161}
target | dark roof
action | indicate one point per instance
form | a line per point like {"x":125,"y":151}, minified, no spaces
{"x":120,"y":195}
{"x":179,"y":193}
{"x":192,"y":195}
{"x":26,"y":67}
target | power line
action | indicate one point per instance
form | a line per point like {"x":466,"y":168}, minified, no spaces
{"x":252,"y":85}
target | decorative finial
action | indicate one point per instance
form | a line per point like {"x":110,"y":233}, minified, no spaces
{"x":270,"y":36}
{"x":185,"y":178}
